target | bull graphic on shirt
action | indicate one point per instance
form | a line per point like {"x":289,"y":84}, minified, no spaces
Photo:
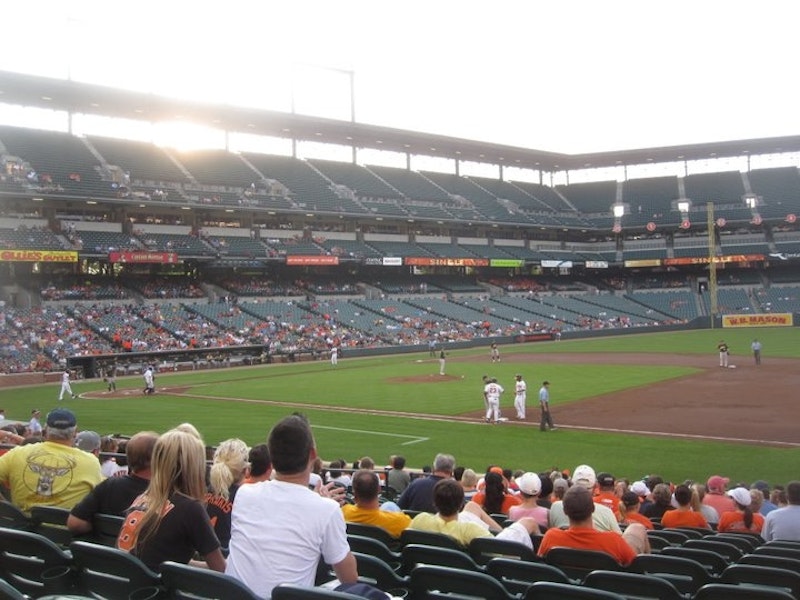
{"x":48,"y":474}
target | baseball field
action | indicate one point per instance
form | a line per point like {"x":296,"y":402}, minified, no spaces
{"x":633,"y":405}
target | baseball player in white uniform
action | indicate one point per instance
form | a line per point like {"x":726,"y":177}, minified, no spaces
{"x":65,"y":386}
{"x":520,"y":393}
{"x":149,"y":381}
{"x":335,"y":356}
{"x":492,"y":393}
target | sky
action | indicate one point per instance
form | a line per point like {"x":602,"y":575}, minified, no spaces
{"x":561,"y":75}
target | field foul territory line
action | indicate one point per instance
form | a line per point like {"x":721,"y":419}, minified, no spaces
{"x":414,"y":439}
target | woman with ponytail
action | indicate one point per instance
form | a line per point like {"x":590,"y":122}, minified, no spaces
{"x":229,"y":469}
{"x":743,"y":519}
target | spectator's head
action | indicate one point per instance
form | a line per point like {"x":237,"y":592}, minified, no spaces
{"x":741,"y":496}
{"x":640,"y":488}
{"x":683,"y":495}
{"x":444,"y":464}
{"x":366,"y":487}
{"x":291,"y":445}
{"x":631,"y":501}
{"x":547,"y":486}
{"x":560,"y":487}
{"x":652,"y":481}
{"x":578,"y":503}
{"x":606,"y":481}
{"x":716,"y":484}
{"x":662,"y":495}
{"x":398,"y":462}
{"x":88,"y":441}
{"x":190,"y":429}
{"x":756,"y":500}
{"x":366,"y":463}
{"x":61,"y":425}
{"x":139,"y":452}
{"x":469,"y":479}
{"x":228,"y":466}
{"x":584,"y":476}
{"x":793,"y":492}
{"x":260,"y":463}
{"x":529,"y":485}
{"x":110,"y":444}
{"x":762,"y":486}
{"x":448,"y":497}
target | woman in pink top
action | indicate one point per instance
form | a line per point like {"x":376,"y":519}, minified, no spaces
{"x":529,"y":486}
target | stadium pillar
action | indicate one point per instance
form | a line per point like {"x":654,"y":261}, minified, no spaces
{"x":712,"y":263}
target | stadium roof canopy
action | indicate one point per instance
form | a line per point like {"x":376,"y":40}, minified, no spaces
{"x":75,"y":97}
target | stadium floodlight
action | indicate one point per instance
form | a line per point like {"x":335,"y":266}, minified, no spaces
{"x":618,"y":210}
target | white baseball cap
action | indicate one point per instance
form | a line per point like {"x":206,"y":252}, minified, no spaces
{"x":741,"y":496}
{"x":640,"y":488}
{"x":585,"y":475}
{"x":529,"y":483}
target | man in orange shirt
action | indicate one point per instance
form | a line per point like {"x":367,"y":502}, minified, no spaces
{"x":683,"y":516}
{"x":631,"y":503}
{"x":605,"y":493}
{"x":715,"y":494}
{"x":579,"y":506}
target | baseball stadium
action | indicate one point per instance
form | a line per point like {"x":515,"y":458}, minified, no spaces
{"x":233,"y":273}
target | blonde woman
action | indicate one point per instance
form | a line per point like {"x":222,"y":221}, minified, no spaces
{"x":169,"y":521}
{"x":228,"y":470}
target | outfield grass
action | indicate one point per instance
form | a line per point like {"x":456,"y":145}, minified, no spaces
{"x":245,"y":402}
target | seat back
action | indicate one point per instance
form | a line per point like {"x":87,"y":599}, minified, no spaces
{"x":374,"y":532}
{"x":29,"y":561}
{"x":484,"y":549}
{"x":768,"y":560}
{"x":673,"y":536}
{"x":296,"y":592}
{"x":415,"y":554}
{"x":745,"y":543}
{"x":184,"y":582}
{"x":429,"y":538}
{"x":769,"y":577}
{"x":105,"y":529}
{"x":774,"y":550}
{"x":431,"y":581}
{"x":546,"y":590}
{"x":632,"y":585}
{"x":725,"y":591}
{"x":578,"y":563}
{"x":518,"y":575}
{"x":381,"y":575}
{"x":375,"y":548}
{"x":104,"y":571}
{"x":685,"y":574}
{"x":12,"y":517}
{"x":714,"y":562}
{"x":730,"y":551}
{"x":51,"y":522}
{"x":9,"y":592}
{"x":694,"y":533}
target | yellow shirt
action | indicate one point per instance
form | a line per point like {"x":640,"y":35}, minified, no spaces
{"x":463,"y":531}
{"x":49,"y":474}
{"x":393,"y":522}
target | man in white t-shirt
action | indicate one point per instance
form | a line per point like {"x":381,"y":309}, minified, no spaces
{"x":492,"y":393}
{"x":281,"y":529}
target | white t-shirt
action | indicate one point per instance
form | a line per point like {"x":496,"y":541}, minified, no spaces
{"x":279,"y":531}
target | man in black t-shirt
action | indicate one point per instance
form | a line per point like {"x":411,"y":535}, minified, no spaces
{"x":114,"y":495}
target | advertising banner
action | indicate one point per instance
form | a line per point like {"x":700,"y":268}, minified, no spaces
{"x":596,"y":264}
{"x":424,"y":261}
{"x":163,"y":258}
{"x":703,"y":260}
{"x":505,"y":262}
{"x":771,"y":320}
{"x":51,"y":256}
{"x":301,"y":260}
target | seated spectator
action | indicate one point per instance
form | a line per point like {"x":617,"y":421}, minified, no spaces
{"x":494,"y":498}
{"x":448,"y":497}
{"x":742,"y":518}
{"x":53,"y":472}
{"x":260,"y":464}
{"x":419,"y":495}
{"x":337,"y":476}
{"x":108,"y":464}
{"x":579,"y":506}
{"x":228,"y":470}
{"x":529,"y":485}
{"x":766,"y":505}
{"x":684,"y":515}
{"x":630,"y":510}
{"x":715,"y":495}
{"x":367,"y":509}
{"x":709,"y":512}
{"x":784,"y":522}
{"x":114,"y":495}
{"x":89,"y":441}
{"x":168,"y":521}
{"x":397,"y":477}
{"x":662,"y":502}
{"x":605,"y":493}
{"x":281,"y":529}
{"x":602,"y":517}
{"x":469,"y":481}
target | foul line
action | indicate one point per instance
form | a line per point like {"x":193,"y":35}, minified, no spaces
{"x":414,"y":438}
{"x":693,"y":436}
